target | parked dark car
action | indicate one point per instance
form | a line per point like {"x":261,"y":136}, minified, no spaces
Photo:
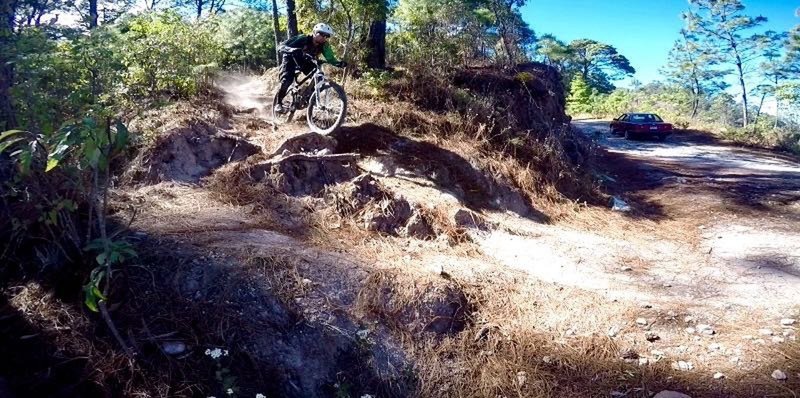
{"x":641,"y":125}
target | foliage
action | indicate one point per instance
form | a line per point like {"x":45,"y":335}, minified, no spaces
{"x":598,"y":63}
{"x":554,"y":52}
{"x":246,"y":36}
{"x":691,"y":66}
{"x":439,"y":32}
{"x":723,"y":28}
{"x":60,"y":73}
{"x":581,"y":98}
{"x":81,"y":152}
{"x":162,"y":53}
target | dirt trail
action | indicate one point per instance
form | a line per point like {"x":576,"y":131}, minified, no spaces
{"x":711,"y":238}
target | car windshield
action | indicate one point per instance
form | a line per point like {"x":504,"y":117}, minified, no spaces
{"x":645,"y":118}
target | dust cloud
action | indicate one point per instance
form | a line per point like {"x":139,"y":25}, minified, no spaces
{"x":246,"y":91}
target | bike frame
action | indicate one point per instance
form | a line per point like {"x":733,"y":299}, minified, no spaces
{"x":318,"y":75}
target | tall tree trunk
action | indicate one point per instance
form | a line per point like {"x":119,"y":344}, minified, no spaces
{"x":696,"y":99}
{"x":199,"y":10}
{"x":8,"y":117}
{"x":777,"y":103}
{"x":291,"y":18}
{"x":376,"y":44}
{"x":740,"y":71}
{"x":93,"y":14}
{"x":758,"y":112}
{"x":275,"y":30}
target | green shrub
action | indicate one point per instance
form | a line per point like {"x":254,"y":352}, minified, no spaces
{"x":162,"y":53}
{"x":247,"y":39}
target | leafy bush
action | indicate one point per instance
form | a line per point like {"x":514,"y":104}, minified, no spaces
{"x":247,"y":39}
{"x":61,"y":73}
{"x":162,"y":53}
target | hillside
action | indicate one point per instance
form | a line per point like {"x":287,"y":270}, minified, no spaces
{"x":452,"y":239}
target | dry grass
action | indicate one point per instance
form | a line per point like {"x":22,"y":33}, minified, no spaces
{"x":538,"y":163}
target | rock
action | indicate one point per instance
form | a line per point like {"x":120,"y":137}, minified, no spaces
{"x":690,"y":330}
{"x":759,"y":341}
{"x":629,"y":354}
{"x":301,"y":174}
{"x":618,"y":204}
{"x":657,"y":353}
{"x":465,"y":218}
{"x":626,"y":268}
{"x":670,"y":394}
{"x":682,"y":366}
{"x":778,"y":374}
{"x":646,"y":305}
{"x":778,"y":339}
{"x":765,"y":332}
{"x":705,"y":329}
{"x":641,"y":321}
{"x":788,"y":321}
{"x":521,"y":378}
{"x":718,"y":376}
{"x":547,"y":359}
{"x":613,"y":331}
{"x":714,"y":347}
{"x":173,"y":347}
{"x":418,"y":227}
{"x":652,"y":336}
{"x":688,"y":319}
{"x":311,"y":143}
{"x":734,"y":359}
{"x":388,"y":215}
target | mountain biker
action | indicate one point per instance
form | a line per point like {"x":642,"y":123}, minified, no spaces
{"x":292,"y":57}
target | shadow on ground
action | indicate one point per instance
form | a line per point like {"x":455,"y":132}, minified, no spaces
{"x":751,"y":180}
{"x":182,"y":291}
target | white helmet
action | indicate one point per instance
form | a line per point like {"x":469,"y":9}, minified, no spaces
{"x":323,"y":28}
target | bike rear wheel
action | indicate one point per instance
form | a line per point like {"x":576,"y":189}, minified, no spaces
{"x":327,"y":112}
{"x":288,"y":106}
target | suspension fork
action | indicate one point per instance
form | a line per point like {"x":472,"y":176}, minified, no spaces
{"x":319,"y":80}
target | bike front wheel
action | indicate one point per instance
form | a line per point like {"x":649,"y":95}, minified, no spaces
{"x":327,"y":108}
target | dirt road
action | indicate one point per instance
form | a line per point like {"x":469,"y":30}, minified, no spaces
{"x":743,"y":203}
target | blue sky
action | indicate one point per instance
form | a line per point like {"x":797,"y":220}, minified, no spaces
{"x":642,"y":30}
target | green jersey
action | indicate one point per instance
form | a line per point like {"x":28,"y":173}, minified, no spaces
{"x":306,"y":43}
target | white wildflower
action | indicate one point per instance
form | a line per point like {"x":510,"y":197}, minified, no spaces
{"x":230,"y":391}
{"x":367,"y":396}
{"x":261,"y":396}
{"x":225,"y":352}
{"x":215,"y":353}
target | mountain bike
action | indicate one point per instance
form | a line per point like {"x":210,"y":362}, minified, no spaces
{"x":326,"y":101}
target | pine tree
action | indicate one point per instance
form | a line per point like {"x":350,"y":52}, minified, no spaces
{"x":692,"y":68}
{"x":580,"y":97}
{"x":723,"y":28}
{"x":598,"y":63}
